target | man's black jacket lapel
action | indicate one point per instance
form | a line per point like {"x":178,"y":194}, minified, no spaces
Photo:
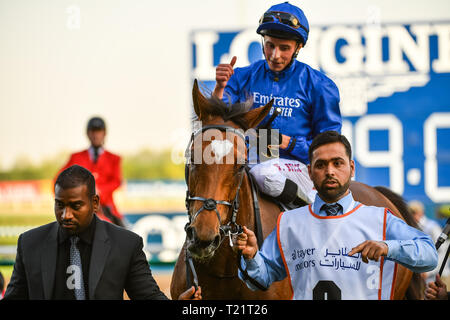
{"x":100,"y":250}
{"x":48,"y":261}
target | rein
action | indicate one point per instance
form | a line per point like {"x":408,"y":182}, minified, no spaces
{"x":231,"y":229}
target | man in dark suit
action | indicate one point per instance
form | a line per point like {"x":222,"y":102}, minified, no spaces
{"x":80,"y":256}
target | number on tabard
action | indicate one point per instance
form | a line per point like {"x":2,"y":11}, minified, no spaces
{"x":326,"y":290}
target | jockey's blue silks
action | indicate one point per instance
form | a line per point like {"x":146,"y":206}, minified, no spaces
{"x":308,"y":99}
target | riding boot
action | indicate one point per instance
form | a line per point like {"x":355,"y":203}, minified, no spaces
{"x":288,"y":197}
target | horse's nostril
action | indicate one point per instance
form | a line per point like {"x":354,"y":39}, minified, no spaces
{"x":190,"y":232}
{"x":217,"y":240}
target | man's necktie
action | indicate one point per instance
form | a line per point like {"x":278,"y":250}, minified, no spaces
{"x":75,"y":260}
{"x":332,"y":209}
{"x":95,"y":154}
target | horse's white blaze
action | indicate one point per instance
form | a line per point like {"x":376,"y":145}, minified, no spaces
{"x":221,"y":148}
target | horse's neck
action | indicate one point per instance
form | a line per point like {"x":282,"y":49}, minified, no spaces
{"x":262,"y":219}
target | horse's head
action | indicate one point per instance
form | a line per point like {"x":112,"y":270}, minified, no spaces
{"x":215,"y":170}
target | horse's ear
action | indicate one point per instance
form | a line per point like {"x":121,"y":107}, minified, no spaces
{"x":255,"y":116}
{"x":199,"y":100}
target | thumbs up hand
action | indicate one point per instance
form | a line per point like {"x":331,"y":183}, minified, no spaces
{"x":224,"y":71}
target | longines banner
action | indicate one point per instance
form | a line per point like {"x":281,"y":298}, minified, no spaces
{"x":394,"y":82}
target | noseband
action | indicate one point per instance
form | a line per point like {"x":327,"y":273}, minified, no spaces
{"x":209,"y":204}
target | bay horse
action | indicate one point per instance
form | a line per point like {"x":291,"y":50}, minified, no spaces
{"x":220,"y":198}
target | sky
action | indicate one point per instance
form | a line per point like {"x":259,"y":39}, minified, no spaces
{"x":62,"y":62}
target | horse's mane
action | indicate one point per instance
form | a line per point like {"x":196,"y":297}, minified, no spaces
{"x":400,"y":204}
{"x":229,"y":112}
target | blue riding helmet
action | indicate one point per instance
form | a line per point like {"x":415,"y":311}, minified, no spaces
{"x":284,"y":21}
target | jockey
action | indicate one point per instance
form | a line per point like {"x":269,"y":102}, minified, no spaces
{"x":306,"y":99}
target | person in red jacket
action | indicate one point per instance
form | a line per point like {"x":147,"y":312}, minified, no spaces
{"x":105,"y":167}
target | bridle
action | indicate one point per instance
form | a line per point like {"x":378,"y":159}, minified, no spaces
{"x":209,"y":204}
{"x":231,"y":229}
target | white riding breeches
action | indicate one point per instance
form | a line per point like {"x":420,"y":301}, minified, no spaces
{"x":271,"y":175}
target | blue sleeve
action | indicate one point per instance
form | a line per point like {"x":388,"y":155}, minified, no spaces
{"x":267,"y":266}
{"x":233,"y":90}
{"x":325,"y":116}
{"x":409,"y":246}
{"x":231,"y":93}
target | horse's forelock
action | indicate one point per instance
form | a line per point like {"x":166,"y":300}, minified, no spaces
{"x":229,"y":112}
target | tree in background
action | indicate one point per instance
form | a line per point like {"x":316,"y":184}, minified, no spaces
{"x":145,"y":164}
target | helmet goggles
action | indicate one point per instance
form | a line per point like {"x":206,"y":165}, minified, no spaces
{"x":282,"y":17}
